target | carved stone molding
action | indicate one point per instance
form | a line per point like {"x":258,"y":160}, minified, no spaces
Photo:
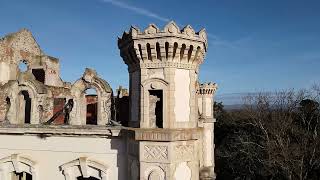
{"x":154,"y":152}
{"x":133,"y":68}
{"x":17,"y":163}
{"x":84,"y":167}
{"x":184,"y":151}
{"x":164,"y":134}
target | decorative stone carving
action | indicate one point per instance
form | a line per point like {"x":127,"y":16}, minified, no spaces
{"x":154,"y":173}
{"x":153,"y":152}
{"x":85,"y":167}
{"x":17,"y":163}
{"x":184,"y":151}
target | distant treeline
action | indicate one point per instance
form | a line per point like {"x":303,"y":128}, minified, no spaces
{"x":272,"y":136}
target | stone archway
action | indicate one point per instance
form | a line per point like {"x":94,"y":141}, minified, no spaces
{"x":83,"y":168}
{"x":90,"y":80}
{"x":25,"y":97}
{"x":19,"y":165}
{"x":24,"y":107}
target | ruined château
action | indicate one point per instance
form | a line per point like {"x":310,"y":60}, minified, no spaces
{"x":161,"y":129}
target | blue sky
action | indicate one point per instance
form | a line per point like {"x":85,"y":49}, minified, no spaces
{"x":263,"y":45}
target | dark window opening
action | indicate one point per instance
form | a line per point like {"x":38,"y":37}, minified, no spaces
{"x":190,"y":52}
{"x":159,"y":107}
{"x":175,"y":47}
{"x":183,"y":48}
{"x":158,"y":51}
{"x":149,"y":51}
{"x":89,"y":178}
{"x":197,"y":53}
{"x":167,"y":49}
{"x":58,"y":105}
{"x":21,"y":176}
{"x":27,"y":107}
{"x":92,"y":107}
{"x":39,"y":74}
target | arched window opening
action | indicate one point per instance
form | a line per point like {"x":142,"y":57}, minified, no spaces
{"x":197,"y":53}
{"x":149,"y":51}
{"x":25,"y":107}
{"x":89,"y":178}
{"x":20,"y":176}
{"x":92,"y":106}
{"x":140,"y":51}
{"x":182,"y":51}
{"x":39,"y":74}
{"x":23,"y":66}
{"x":156,"y":108}
{"x":190,"y":52}
{"x":158,"y":51}
{"x":167,"y":49}
{"x":175,"y":47}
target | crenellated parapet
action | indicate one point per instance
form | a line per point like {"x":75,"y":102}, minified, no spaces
{"x":207,"y":89}
{"x":170,"y":47}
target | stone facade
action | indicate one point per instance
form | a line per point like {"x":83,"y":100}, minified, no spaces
{"x":51,"y":129}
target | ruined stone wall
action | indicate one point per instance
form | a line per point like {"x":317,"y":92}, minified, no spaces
{"x":41,"y":81}
{"x":15,"y":48}
{"x":3,"y":104}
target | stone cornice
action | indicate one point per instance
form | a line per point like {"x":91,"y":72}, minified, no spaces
{"x":60,"y":130}
{"x":163,"y":134}
{"x":135,"y":67}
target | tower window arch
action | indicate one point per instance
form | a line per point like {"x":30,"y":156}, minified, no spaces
{"x":149,"y":51}
{"x":183,"y":47}
{"x":167,"y":49}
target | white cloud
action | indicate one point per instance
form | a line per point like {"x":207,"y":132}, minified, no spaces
{"x":137,"y":10}
{"x":148,"y":13}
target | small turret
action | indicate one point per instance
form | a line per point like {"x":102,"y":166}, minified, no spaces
{"x":205,"y":93}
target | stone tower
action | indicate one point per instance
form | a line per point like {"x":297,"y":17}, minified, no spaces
{"x":170,"y":134}
{"x":163,"y":67}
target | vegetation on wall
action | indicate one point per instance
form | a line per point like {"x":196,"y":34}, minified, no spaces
{"x":273,"y":136}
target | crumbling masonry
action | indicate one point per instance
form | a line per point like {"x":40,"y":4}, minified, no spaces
{"x":163,"y":128}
